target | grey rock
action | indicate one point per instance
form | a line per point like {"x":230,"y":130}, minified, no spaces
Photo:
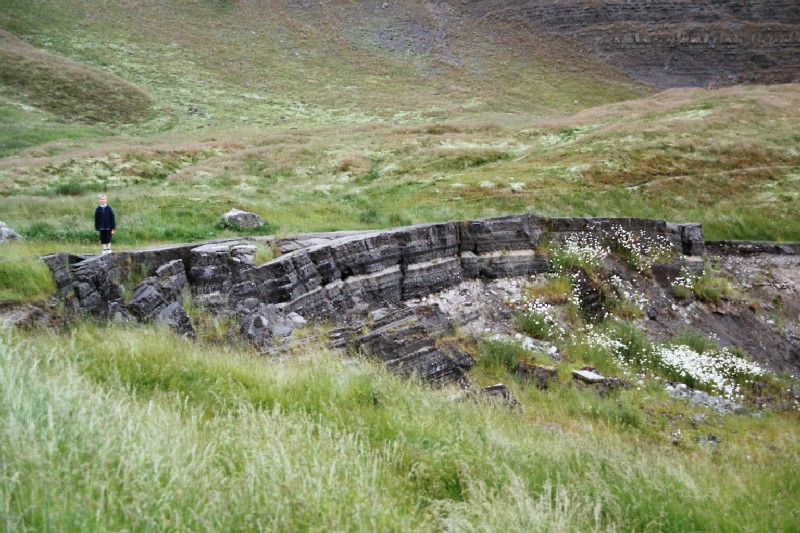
{"x":495,"y":265}
{"x":297,"y":319}
{"x":587,"y":376}
{"x":265,"y":324}
{"x":541,"y":375}
{"x":8,"y":234}
{"x":242,"y":219}
{"x":378,"y":288}
{"x":521,"y":232}
{"x":409,"y":341}
{"x":366,"y":254}
{"x":498,"y":392}
{"x":215,"y":302}
{"x":146,"y":300}
{"x":172,"y":278}
{"x":175,"y":316}
{"x":429,"y":277}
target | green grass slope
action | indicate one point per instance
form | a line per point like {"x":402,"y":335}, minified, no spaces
{"x":352,"y":115}
{"x":273,"y":63}
{"x":135,"y":428}
{"x":66,"y":88}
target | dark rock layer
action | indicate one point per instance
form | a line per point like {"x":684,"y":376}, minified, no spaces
{"x":671,"y":43}
{"x":337,"y":276}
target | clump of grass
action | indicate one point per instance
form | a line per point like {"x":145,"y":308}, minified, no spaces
{"x":636,"y":347}
{"x":538,"y":319}
{"x":74,"y":188}
{"x":352,"y":162}
{"x":265,"y":252}
{"x":694,"y":340}
{"x":465,"y":158}
{"x":500,"y":356}
{"x":554,"y":289}
{"x":584,"y":251}
{"x":23,"y":277}
{"x":370,"y":215}
{"x":712,"y":286}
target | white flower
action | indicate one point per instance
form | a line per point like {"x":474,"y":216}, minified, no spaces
{"x":717,"y":369}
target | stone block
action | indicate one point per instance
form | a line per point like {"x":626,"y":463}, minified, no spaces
{"x":504,"y":264}
{"x":242,"y":219}
{"x":383,"y":287}
{"x":422,"y":279}
{"x":519,"y":232}
{"x":359,"y":255}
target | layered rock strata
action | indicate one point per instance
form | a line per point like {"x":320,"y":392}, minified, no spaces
{"x":671,"y":43}
{"x":339,"y":276}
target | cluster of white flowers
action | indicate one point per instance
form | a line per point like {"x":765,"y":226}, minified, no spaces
{"x":575,"y":297}
{"x":643,"y":249}
{"x":717,"y":369}
{"x":582,"y":249}
{"x":543,"y":315}
{"x":616,"y":348}
{"x":686,"y":280}
{"x":628,"y":293}
{"x":601,"y":340}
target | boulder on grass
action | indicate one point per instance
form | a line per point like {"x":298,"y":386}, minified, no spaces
{"x":242,"y":219}
{"x":541,"y":375}
{"x":7,"y":233}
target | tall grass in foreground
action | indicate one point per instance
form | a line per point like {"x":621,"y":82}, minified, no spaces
{"x":134,"y":428}
{"x":23,"y":276}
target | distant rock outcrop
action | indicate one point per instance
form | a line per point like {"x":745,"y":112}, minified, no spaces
{"x":671,"y":43}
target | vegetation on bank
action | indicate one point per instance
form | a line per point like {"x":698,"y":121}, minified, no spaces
{"x":133,"y":427}
{"x":23,"y":277}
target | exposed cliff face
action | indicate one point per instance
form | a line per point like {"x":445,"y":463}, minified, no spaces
{"x":671,"y":43}
{"x":377,"y":285}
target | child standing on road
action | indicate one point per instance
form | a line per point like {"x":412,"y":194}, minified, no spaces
{"x":104,"y":222}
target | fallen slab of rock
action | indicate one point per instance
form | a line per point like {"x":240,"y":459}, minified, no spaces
{"x":603,"y":385}
{"x":158,"y":298}
{"x":498,"y":392}
{"x":409,"y":341}
{"x":717,"y":403}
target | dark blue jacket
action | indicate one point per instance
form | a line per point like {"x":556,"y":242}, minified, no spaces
{"x":104,"y":218}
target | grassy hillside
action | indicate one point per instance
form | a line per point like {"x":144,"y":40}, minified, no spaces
{"x":65,"y":88}
{"x":417,"y":113}
{"x":347,"y":115}
{"x":726,"y":158}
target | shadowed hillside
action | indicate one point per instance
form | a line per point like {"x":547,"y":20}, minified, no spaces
{"x":66,"y":88}
{"x":276,"y":63}
{"x":671,"y":43}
